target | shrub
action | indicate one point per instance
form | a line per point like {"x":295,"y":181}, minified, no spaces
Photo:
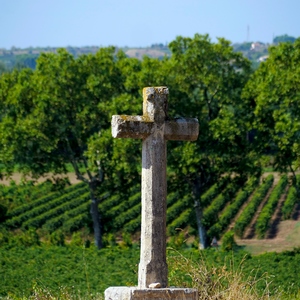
{"x":57,"y":238}
{"x":228,"y":242}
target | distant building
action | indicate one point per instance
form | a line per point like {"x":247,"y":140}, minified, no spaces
{"x":263,"y":58}
{"x":256,"y":46}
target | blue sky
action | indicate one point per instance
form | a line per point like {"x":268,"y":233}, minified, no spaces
{"x":140,"y":23}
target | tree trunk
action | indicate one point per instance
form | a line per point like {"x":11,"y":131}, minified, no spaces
{"x":96,"y":217}
{"x":96,"y":223}
{"x":93,"y":182}
{"x":199,"y":213}
{"x":201,"y":229}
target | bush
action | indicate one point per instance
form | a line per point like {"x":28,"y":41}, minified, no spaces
{"x":76,"y":239}
{"x":109,"y":240}
{"x":26,"y":238}
{"x":57,"y":238}
{"x":3,"y":211}
{"x":228,"y":242}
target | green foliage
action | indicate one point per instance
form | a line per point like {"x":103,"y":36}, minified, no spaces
{"x":172,"y":198}
{"x":63,"y":204}
{"x":2,"y":68}
{"x":210,"y":215}
{"x":76,"y":223}
{"x":228,"y":242}
{"x":178,"y":240}
{"x":206,"y":81}
{"x":134,"y":224}
{"x":130,"y":219}
{"x":109,"y":240}
{"x":39,"y":198}
{"x":26,"y":238}
{"x":283,"y":39}
{"x":69,"y":216}
{"x":57,"y":238}
{"x":126,"y":240}
{"x":53,"y":268}
{"x":290,"y":202}
{"x":36,"y":270}
{"x":232,"y":209}
{"x":263,"y":220}
{"x":15,"y":196}
{"x":273,"y":91}
{"x":213,"y":191}
{"x":76,"y":239}
{"x":37,"y":215}
{"x":181,"y":221}
{"x":244,"y":219}
{"x":133,"y":210}
{"x":59,"y":114}
{"x":3,"y":211}
{"x":175,"y":210}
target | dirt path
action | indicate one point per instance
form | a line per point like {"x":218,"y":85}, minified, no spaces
{"x":17,"y":177}
{"x":287,"y":238}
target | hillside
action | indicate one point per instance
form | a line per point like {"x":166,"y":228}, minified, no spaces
{"x":67,"y":211}
{"x":17,"y":57}
{"x":46,"y":235}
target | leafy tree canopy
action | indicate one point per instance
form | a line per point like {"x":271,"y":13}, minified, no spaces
{"x":283,"y":39}
{"x":60,"y":113}
{"x":273,"y":91}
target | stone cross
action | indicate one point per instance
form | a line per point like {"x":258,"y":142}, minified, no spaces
{"x":154,"y":127}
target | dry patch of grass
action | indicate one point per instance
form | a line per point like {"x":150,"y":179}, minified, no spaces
{"x":17,"y":177}
{"x":287,"y":238}
{"x":217,"y":282}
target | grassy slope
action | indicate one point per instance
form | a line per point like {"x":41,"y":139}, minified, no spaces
{"x":287,"y":234}
{"x":88,"y":272}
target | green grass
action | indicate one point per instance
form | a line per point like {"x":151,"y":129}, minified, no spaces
{"x":87,"y":272}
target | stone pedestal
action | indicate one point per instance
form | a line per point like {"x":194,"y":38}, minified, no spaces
{"x":134,"y":293}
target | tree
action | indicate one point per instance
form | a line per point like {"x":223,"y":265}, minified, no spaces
{"x":60,"y":113}
{"x":2,"y":68}
{"x":273,"y":91}
{"x":53,"y":116}
{"x":283,"y":39}
{"x":206,"y":80}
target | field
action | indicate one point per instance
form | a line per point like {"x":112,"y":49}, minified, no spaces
{"x":46,"y":235}
{"x":223,"y":206}
{"x":76,"y":272}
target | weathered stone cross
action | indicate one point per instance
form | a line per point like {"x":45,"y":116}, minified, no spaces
{"x":154,"y":128}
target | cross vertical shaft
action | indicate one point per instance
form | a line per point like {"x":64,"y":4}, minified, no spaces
{"x":153,"y":265}
{"x":154,"y":128}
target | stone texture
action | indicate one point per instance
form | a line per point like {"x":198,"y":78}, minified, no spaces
{"x":155,"y":285}
{"x":154,"y":128}
{"x":133,"y":293}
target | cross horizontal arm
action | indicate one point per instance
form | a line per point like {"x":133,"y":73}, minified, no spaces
{"x":136,"y":127}
{"x":182,"y":129}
